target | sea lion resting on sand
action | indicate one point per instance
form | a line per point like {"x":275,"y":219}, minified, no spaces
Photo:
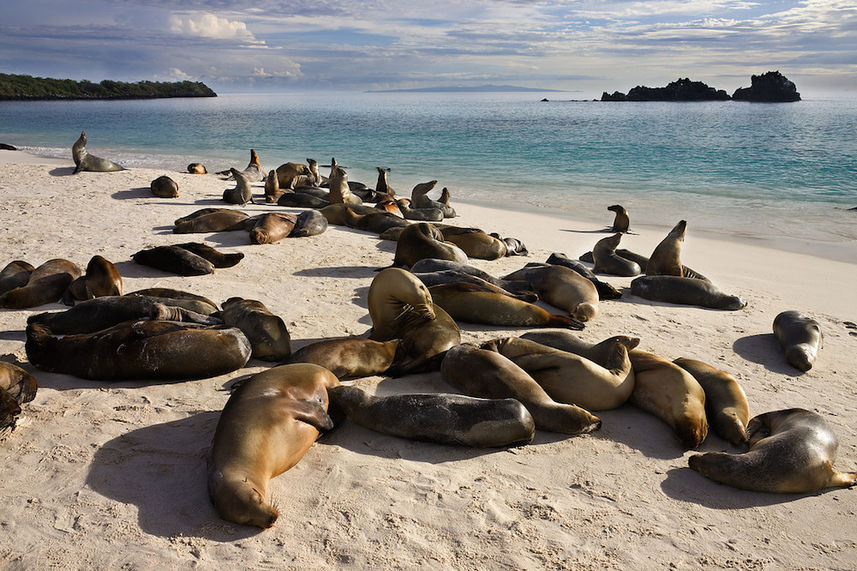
{"x":101,"y":279}
{"x":197,"y":168}
{"x":46,"y":284}
{"x":272,"y":227}
{"x":85,"y":162}
{"x":267,"y":333}
{"x":437,"y":265}
{"x":605,"y":290}
{"x":309,"y":223}
{"x":291,"y":175}
{"x":211,"y":220}
{"x":685,"y":291}
{"x":188,"y":259}
{"x":799,"y":336}
{"x":422,"y":240}
{"x":562,"y":288}
{"x":791,"y":452}
{"x":607,"y":261}
{"x":265,"y":428}
{"x":242,"y":193}
{"x":447,"y":277}
{"x":17,"y":386}
{"x":16,"y":274}
{"x":349,"y":357}
{"x":474,"y":242}
{"x":164,"y":187}
{"x":725,"y":402}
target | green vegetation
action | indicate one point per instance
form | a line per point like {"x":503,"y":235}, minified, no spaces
{"x":25,"y":87}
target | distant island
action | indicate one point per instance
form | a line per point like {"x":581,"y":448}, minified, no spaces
{"x":469,"y":89}
{"x":770,"y":87}
{"x":26,"y":88}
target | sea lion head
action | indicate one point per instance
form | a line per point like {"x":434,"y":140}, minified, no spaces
{"x":618,"y":209}
{"x":585,"y":311}
{"x":237,"y":500}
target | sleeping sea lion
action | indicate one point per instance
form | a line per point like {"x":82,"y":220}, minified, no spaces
{"x":272,"y":227}
{"x":474,"y":242}
{"x":211,"y":220}
{"x":605,"y":290}
{"x":799,"y":336}
{"x":267,"y":333}
{"x":17,"y":386}
{"x":47,"y":284}
{"x":562,"y":288}
{"x":422,"y":240}
{"x":164,"y":187}
{"x":309,"y":223}
{"x":375,"y":222}
{"x":348,"y":357}
{"x":16,"y":274}
{"x":685,"y":291}
{"x":197,"y":168}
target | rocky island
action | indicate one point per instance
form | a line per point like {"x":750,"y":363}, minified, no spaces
{"x":26,"y":87}
{"x":768,"y":87}
{"x":771,"y":87}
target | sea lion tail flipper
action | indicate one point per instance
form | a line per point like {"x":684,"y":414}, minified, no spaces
{"x":843,"y":479}
{"x":314,"y":414}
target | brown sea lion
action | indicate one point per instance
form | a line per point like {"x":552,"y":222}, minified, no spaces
{"x":309,"y":223}
{"x":348,"y":357}
{"x":383,"y":185}
{"x":272,"y":227}
{"x":14,"y":275}
{"x":17,"y":386}
{"x":443,"y":418}
{"x":799,"y":336}
{"x":211,"y":220}
{"x":101,"y":279}
{"x":474,"y":242}
{"x":487,"y":374}
{"x":685,"y":291}
{"x":791,"y":452}
{"x":602,"y":384}
{"x":643,"y":262}
{"x":390,"y":206}
{"x":392,"y":293}
{"x":174,"y":260}
{"x":605,"y":290}
{"x":335,"y":213}
{"x":288,"y":173}
{"x":47,"y":284}
{"x":265,"y":428}
{"x":422,"y":240}
{"x":242,"y":193}
{"x":436,"y":265}
{"x":85,"y":162}
{"x":301,"y":200}
{"x":621,"y":221}
{"x":563,"y":288}
{"x":375,"y":222}
{"x":203,"y":304}
{"x":725,"y":402}
{"x":339,"y":191}
{"x":423,"y":214}
{"x":672,"y":394}
{"x":666,"y":257}
{"x":161,"y":350}
{"x":272,"y":187}
{"x":267,"y":333}
{"x":607,"y":261}
{"x":445,"y":277}
{"x":254,"y":171}
{"x":423,"y":341}
{"x":164,"y":187}
{"x":197,"y":168}
{"x":420,"y":199}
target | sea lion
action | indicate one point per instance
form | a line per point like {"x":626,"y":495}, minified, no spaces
{"x":643,"y":262}
{"x":211,"y":220}
{"x":390,"y":206}
{"x":605,"y":290}
{"x":242,"y":193}
{"x":602,"y":384}
{"x":197,"y":168}
{"x":422,"y":240}
{"x":791,"y":452}
{"x":218,"y":259}
{"x":339,"y":191}
{"x":174,"y":260}
{"x":301,"y":200}
{"x":267,"y":333}
{"x":85,"y":162}
{"x":392,"y":293}
{"x":423,"y":341}
{"x":672,"y":394}
{"x":199,"y":303}
{"x":382,"y":186}
{"x":420,"y":199}
{"x":254,"y":171}
{"x":288,"y":174}
{"x":442,"y":418}
{"x":164,"y":187}
{"x":685,"y":291}
{"x":563,"y":288}
{"x":265,"y":428}
{"x":161,"y":350}
{"x":470,"y":303}
{"x":725,"y":402}
{"x":444,"y":277}
{"x":272,"y":187}
{"x":666,"y":258}
{"x":315,"y":191}
{"x":375,"y":222}
{"x":309,"y":223}
{"x":474,"y":242}
{"x":436,"y":265}
{"x":272,"y":227}
{"x":607,"y":261}
{"x":423,"y":214}
{"x":47,"y":284}
{"x":621,"y":221}
{"x":335,"y":213}
{"x":488,"y":374}
{"x":348,"y":357}
{"x":14,"y":275}
{"x":17,"y":386}
{"x":799,"y":336}
{"x":514,"y":247}
{"x":101,"y":279}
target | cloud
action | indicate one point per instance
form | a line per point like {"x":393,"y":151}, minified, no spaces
{"x":206,"y":25}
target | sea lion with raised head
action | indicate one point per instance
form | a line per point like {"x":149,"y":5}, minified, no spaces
{"x":422,"y":214}
{"x":643,"y":262}
{"x":242,"y":193}
{"x":272,"y":187}
{"x":563,"y":288}
{"x":442,"y":418}
{"x":725,"y":402}
{"x":791,"y":452}
{"x":422,"y":240}
{"x":672,"y":394}
{"x":17,"y":386}
{"x":685,"y":291}
{"x":47,"y":284}
{"x":382,"y":186}
{"x":607,"y":261}
{"x":474,"y":242}
{"x":339,"y":191}
{"x":14,"y":275}
{"x":605,"y":290}
{"x":621,"y":221}
{"x":157,"y":350}
{"x":349,"y":357}
{"x":267,"y":333}
{"x":101,"y":279}
{"x":289,"y":174}
{"x":197,"y":168}
{"x":488,"y":374}
{"x":309,"y":223}
{"x":666,"y":258}
{"x":211,"y":220}
{"x":799,"y":336}
{"x":164,"y":187}
{"x":266,"y":427}
{"x":272,"y":227}
{"x":85,"y":162}
{"x":253,"y":172}
{"x":420,"y":199}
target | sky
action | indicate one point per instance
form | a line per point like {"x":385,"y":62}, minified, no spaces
{"x":584,"y":47}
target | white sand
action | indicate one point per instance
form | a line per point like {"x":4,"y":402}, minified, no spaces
{"x":109,"y":475}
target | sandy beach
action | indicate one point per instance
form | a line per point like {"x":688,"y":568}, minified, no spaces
{"x":112,"y":474}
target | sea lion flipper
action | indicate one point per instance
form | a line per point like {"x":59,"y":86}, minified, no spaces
{"x":312,"y":413}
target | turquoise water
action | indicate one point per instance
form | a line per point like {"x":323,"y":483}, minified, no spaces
{"x":718,"y":162}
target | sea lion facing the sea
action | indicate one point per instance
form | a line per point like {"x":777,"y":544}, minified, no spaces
{"x":799,"y":336}
{"x":420,"y":199}
{"x":339,"y":191}
{"x":621,"y":221}
{"x":85,"y":162}
{"x":607,"y":261}
{"x":382,"y":186}
{"x":272,"y":187}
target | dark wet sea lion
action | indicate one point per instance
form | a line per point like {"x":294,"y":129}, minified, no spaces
{"x":621,"y":221}
{"x":272,"y":187}
{"x":474,"y":242}
{"x":607,"y":261}
{"x":174,"y":260}
{"x":164,"y":187}
{"x":725,"y":402}
{"x":563,"y":288}
{"x":685,"y":291}
{"x":265,"y":428}
{"x":101,"y":279}
{"x":217,"y":258}
{"x":162,"y":350}
{"x":85,"y":162}
{"x":301,"y":200}
{"x":799,"y":336}
{"x":383,"y":185}
{"x":791,"y":452}
{"x":211,"y":220}
{"x":422,"y":240}
{"x":267,"y":333}
{"x":487,"y":374}
{"x":47,"y":284}
{"x":672,"y":394}
{"x":309,"y":223}
{"x":442,"y":418}
{"x":204,"y":305}
{"x":197,"y":168}
{"x":605,"y":290}
{"x":17,"y":386}
{"x":272,"y":227}
{"x":16,"y":274}
{"x":242,"y":193}
{"x":348,"y":357}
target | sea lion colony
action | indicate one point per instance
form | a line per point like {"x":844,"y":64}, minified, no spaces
{"x":548,"y":380}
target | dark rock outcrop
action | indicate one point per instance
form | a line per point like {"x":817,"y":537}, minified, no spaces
{"x":771,"y":87}
{"x":679,"y":90}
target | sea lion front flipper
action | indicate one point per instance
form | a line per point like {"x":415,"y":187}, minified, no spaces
{"x":312,"y":413}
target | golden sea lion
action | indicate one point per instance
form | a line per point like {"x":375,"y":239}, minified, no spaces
{"x":101,"y":279}
{"x":272,"y":187}
{"x":392,"y":293}
{"x":348,"y":357}
{"x":562,"y":288}
{"x":339,"y":191}
{"x":422,"y":240}
{"x":474,"y":242}
{"x":666,"y":257}
{"x":272,"y":227}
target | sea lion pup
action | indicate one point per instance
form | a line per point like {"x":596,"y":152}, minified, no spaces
{"x":672,"y":394}
{"x":390,"y":206}
{"x":101,"y":279}
{"x":725,"y":402}
{"x":102,"y":312}
{"x":47,"y":284}
{"x":218,"y":259}
{"x":420,"y":199}
{"x":488,"y":374}
{"x":17,"y":386}
{"x":621,"y":221}
{"x":267,"y":333}
{"x":164,"y":187}
{"x":272,"y":187}
{"x":272,"y":227}
{"x":348,"y":357}
{"x":335,"y":213}
{"x":435,"y":265}
{"x":472,"y":304}
{"x":605,"y":290}
{"x":266,"y":427}
{"x":211,"y":220}
{"x":197,"y":168}
{"x":382,"y":186}
{"x":424,"y":214}
{"x":791,"y":452}
{"x":422,"y":240}
{"x":607,"y":261}
{"x":309,"y":223}
{"x":392,"y":293}
{"x":441,"y":418}
{"x":339,"y":191}
{"x":799,"y":336}
{"x":198,"y":303}
{"x":162,"y":350}
{"x":563,"y":288}
{"x":685,"y":291}
{"x":242,"y":193}
{"x":375,"y":222}
{"x":14,"y":275}
{"x":83,"y":161}
{"x":602,"y":384}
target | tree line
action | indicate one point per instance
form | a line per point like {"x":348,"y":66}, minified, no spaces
{"x":26,"y":87}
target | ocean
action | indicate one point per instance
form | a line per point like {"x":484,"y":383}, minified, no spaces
{"x":785,"y":174}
